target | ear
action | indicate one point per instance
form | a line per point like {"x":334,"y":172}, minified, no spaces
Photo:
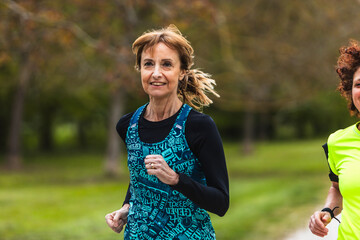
{"x":182,"y":74}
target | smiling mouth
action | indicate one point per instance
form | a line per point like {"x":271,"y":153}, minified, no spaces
{"x":157,"y":84}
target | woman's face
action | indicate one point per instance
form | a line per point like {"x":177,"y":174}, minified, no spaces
{"x":356,"y":89}
{"x":160,"y":71}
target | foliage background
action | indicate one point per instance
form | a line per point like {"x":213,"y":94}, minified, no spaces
{"x":66,"y":77}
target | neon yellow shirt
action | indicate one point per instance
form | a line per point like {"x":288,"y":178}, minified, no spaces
{"x":344,"y":161}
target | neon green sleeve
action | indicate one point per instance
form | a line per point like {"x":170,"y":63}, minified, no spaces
{"x":331,"y":158}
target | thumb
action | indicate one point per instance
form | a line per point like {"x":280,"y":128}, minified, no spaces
{"x":117,"y":216}
{"x":326,"y":218}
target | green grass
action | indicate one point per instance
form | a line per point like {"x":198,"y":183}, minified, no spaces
{"x":274,"y":190}
{"x":66,"y":196}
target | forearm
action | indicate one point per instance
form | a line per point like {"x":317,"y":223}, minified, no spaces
{"x":210,"y":198}
{"x":334,"y":199}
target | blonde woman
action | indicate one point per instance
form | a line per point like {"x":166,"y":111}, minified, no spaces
{"x":175,"y":154}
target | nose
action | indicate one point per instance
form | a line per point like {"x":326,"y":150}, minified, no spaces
{"x":157,"y":72}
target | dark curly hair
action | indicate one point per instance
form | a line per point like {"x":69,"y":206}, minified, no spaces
{"x":347,"y":64}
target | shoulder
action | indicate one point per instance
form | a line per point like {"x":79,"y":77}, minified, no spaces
{"x":125,"y":120}
{"x":342,"y":135}
{"x":342,"y":143}
{"x":200,"y":128}
{"x":123,"y":124}
{"x":203,"y":137}
{"x":199,"y":120}
{"x":201,"y":125}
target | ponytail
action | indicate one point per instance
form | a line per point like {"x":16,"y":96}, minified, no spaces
{"x":193,"y":88}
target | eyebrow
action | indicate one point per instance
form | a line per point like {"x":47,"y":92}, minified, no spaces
{"x":166,"y":59}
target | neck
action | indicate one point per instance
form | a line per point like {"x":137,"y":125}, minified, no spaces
{"x":158,"y":110}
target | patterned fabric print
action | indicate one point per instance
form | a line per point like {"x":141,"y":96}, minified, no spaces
{"x":156,"y":210}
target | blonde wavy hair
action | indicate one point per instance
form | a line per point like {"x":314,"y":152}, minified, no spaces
{"x":192,"y":89}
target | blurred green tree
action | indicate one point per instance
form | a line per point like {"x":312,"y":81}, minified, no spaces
{"x":71,"y":62}
{"x":278,"y":55}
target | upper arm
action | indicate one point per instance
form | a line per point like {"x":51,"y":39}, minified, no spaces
{"x":205,"y":142}
{"x":335,"y":185}
{"x":122,"y":125}
{"x":333,"y":177}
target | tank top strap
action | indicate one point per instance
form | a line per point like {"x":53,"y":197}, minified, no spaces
{"x":181,"y":119}
{"x":135,"y":117}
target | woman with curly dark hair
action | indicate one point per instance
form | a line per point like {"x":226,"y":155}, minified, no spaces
{"x":343,"y":153}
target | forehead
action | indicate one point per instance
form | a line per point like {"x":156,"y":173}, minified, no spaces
{"x":160,"y":50}
{"x":357,"y":75}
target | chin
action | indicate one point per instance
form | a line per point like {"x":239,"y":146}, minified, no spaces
{"x":159,"y":96}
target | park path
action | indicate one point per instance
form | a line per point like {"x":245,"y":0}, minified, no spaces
{"x":305,"y":234}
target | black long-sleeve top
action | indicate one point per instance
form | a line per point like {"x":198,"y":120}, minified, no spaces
{"x":205,"y":142}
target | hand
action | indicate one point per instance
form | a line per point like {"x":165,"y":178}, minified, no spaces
{"x":318,"y":222}
{"x":156,"y":165}
{"x":117,"y":220}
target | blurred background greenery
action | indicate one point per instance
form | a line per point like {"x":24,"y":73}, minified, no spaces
{"x":67,"y":76}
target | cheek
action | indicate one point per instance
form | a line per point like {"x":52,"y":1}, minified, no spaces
{"x":355,"y":93}
{"x":143,"y":78}
{"x":175,"y":78}
{"x":144,"y":75}
{"x":356,"y":98}
{"x":174,"y":83}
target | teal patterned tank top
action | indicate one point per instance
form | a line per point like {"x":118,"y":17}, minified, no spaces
{"x":156,"y":210}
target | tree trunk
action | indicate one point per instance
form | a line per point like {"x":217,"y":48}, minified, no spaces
{"x":13,"y":155}
{"x":46,"y":131}
{"x":81,"y":134}
{"x":264,"y":126}
{"x":118,"y":97}
{"x":248,"y":140}
{"x":113,"y":142}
